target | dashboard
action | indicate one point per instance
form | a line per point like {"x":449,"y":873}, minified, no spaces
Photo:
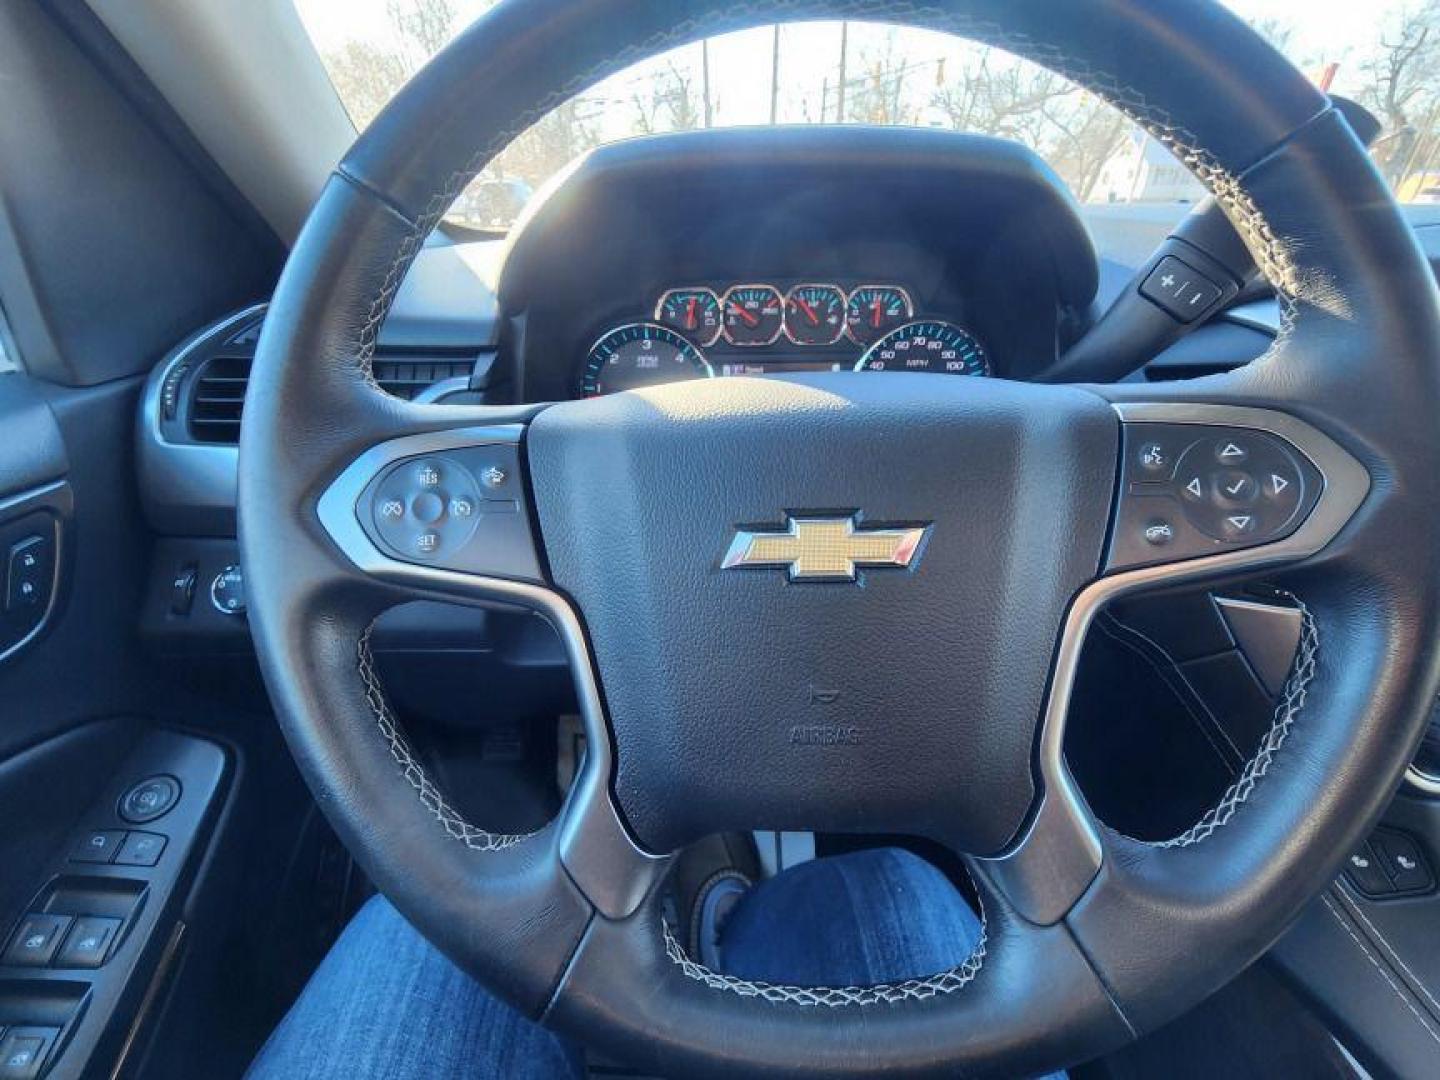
{"x":761,"y":328}
{"x":772,"y":251}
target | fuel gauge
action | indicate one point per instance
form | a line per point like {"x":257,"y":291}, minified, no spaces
{"x":693,"y":312}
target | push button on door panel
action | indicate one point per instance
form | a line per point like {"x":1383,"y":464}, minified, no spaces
{"x":98,"y":846}
{"x":23,"y":1051}
{"x":89,"y":940}
{"x":140,"y":849}
{"x":36,"y":939}
{"x":149,"y":799}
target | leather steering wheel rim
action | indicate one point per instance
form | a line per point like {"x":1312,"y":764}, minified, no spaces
{"x":565,"y":923}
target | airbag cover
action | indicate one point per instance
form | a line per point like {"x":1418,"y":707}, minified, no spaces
{"x":906,"y":701}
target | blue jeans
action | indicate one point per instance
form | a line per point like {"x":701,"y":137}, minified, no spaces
{"x":874,"y":916}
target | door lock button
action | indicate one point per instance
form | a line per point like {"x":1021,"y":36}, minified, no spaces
{"x":98,"y":846}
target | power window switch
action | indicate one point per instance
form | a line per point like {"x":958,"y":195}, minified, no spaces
{"x":140,"y":849}
{"x":35,"y":940}
{"x":23,"y":1051}
{"x":1365,"y":872}
{"x":98,"y":846}
{"x":89,"y":941}
{"x":1403,"y":861}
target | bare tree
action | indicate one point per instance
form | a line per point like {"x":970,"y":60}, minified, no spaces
{"x":366,"y":77}
{"x":548,"y":146}
{"x":999,"y":95}
{"x":877,"y":96}
{"x":1403,"y":84}
{"x":667,"y":101}
{"x":423,"y":27}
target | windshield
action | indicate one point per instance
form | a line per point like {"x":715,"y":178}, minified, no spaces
{"x":1384,"y":55}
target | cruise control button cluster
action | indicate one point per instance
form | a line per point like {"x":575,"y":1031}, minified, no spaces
{"x":427,"y":506}
{"x":1190,"y":490}
{"x":459,"y":508}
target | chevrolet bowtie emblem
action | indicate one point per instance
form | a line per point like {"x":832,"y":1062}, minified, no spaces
{"x":831,"y":548}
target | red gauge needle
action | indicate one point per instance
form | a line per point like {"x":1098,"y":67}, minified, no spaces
{"x":747,"y":316}
{"x":808,"y":310}
{"x":690,"y":313}
{"x":875,"y":313}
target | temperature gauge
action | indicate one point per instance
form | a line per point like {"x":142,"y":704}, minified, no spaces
{"x":752,"y":314}
{"x":692,"y":312}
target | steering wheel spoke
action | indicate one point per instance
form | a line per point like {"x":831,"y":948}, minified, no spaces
{"x":444,"y":513}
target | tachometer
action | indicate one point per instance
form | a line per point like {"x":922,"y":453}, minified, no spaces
{"x":874,"y":310}
{"x":640,"y":354}
{"x":752,"y":314}
{"x":927,"y":345}
{"x":814,"y":314}
{"x":693,"y":312}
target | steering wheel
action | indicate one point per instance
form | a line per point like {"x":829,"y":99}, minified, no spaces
{"x":854,"y":602}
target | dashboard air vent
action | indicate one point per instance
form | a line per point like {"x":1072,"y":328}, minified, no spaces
{"x":217,"y":394}
{"x":218,"y":398}
{"x":405,"y":376}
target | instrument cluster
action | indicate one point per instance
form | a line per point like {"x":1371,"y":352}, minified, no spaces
{"x":754,"y":328}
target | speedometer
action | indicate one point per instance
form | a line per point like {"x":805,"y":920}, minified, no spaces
{"x":927,"y":346}
{"x":640,"y":354}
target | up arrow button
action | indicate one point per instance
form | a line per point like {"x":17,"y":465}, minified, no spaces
{"x":1231,"y":453}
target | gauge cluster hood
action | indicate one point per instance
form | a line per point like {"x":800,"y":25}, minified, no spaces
{"x":803,"y":186}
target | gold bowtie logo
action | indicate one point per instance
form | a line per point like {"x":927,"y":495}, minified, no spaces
{"x":825,"y":548}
